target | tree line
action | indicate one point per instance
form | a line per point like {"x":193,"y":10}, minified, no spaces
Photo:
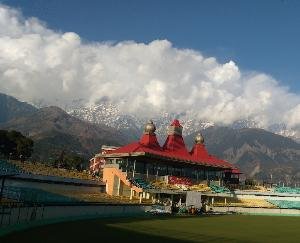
{"x":14,"y":145}
{"x":70,"y":161}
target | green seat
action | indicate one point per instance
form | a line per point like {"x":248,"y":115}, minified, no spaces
{"x":288,"y":190}
{"x":285,"y":204}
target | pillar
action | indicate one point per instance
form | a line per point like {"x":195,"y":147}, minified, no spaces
{"x":119,"y":185}
{"x":131,"y":192}
{"x":133,"y":168}
{"x":147,"y":171}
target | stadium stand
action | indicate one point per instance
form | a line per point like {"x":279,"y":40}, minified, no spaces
{"x":22,"y":194}
{"x":8,"y":168}
{"x":34,"y":195}
{"x":256,"y":203}
{"x":46,"y":170}
{"x":85,"y":196}
{"x":260,"y":189}
{"x":200,"y":188}
{"x":139,"y":182}
{"x":243,"y":187}
{"x":175,"y":180}
{"x":219,"y":189}
{"x":234,"y":202}
{"x":186,"y":186}
{"x":285,"y":204}
{"x":163,"y":185}
{"x":288,"y":190}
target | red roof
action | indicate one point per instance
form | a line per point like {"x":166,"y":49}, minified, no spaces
{"x":174,"y":145}
{"x":174,"y":148}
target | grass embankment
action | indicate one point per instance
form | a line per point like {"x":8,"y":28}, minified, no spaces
{"x":47,"y":170}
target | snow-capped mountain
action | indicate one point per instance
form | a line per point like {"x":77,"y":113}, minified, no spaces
{"x":277,"y":128}
{"x":110,"y":115}
{"x":256,"y":152}
{"x":132,"y":125}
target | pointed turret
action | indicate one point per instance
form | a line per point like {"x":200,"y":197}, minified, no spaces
{"x":174,"y":142}
{"x":199,"y":151}
{"x":149,"y":137}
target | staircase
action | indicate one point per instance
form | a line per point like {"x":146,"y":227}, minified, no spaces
{"x":117,"y":183}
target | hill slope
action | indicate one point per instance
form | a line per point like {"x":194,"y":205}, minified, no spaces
{"x":11,"y":108}
{"x":256,"y":152}
{"x":53,"y":130}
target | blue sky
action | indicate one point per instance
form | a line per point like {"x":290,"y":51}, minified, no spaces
{"x":258,"y":35}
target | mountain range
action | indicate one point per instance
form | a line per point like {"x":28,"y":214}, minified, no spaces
{"x":11,"y":108}
{"x":53,"y":130}
{"x":110,"y":115}
{"x":258,"y":153}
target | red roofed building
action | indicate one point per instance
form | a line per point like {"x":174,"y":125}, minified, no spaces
{"x":146,"y":161}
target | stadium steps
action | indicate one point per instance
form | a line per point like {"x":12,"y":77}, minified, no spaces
{"x":285,"y":204}
{"x":288,"y":190}
{"x":251,"y":203}
{"x":109,"y":175}
{"x":141,"y":183}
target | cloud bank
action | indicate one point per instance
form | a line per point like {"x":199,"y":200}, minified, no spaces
{"x":37,"y":63}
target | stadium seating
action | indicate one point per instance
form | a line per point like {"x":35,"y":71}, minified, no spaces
{"x":88,"y":196}
{"x":256,"y":203}
{"x":234,"y":202}
{"x":138,"y":182}
{"x":200,"y":188}
{"x":34,"y":195}
{"x":288,"y":190}
{"x":23,"y":194}
{"x":286,"y":204}
{"x":163,"y":185}
{"x":7,"y":168}
{"x":175,"y":180}
{"x":46,"y":170}
{"x":219,"y":189}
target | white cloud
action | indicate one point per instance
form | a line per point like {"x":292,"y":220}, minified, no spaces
{"x":37,"y":63}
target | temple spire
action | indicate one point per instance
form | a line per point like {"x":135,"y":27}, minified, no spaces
{"x":149,"y":128}
{"x":148,"y":138}
{"x":174,"y":141}
{"x":199,"y":151}
{"x":199,"y":139}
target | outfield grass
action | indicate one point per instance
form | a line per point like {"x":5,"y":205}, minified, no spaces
{"x":235,"y":228}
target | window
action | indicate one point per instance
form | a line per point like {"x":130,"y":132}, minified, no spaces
{"x":139,"y":167}
{"x":177,"y":171}
{"x":162,"y":170}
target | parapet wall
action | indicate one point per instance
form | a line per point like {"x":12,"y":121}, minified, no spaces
{"x":31,"y":216}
